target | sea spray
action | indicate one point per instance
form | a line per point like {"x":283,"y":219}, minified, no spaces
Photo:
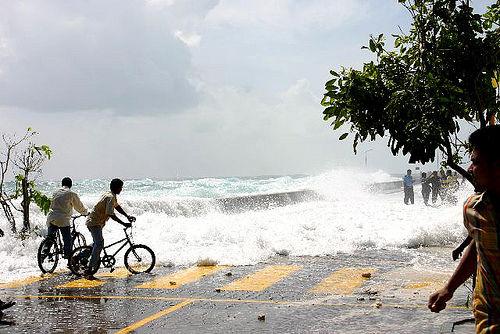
{"x":183,"y":220}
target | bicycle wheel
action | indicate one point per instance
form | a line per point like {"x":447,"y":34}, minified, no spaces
{"x":48,"y":255}
{"x":78,"y":240}
{"x":139,"y":259}
{"x":80,"y":259}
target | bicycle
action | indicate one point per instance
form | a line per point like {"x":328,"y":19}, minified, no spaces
{"x":137,"y":259}
{"x":51,"y":248}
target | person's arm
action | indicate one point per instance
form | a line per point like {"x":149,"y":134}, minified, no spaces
{"x":78,"y":205}
{"x":467,"y":265}
{"x":118,"y":220}
{"x":111,"y":205}
{"x":120,"y":210}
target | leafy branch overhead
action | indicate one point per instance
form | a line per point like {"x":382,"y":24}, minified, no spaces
{"x":444,"y":70}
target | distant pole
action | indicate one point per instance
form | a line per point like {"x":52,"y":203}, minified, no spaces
{"x":366,"y":156}
{"x":437,"y":160}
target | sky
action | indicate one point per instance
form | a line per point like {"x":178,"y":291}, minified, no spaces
{"x":193,"y":88}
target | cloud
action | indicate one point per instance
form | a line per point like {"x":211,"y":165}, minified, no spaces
{"x":249,"y":74}
{"x":231,"y":132}
{"x":96,"y":55}
{"x":288,"y":14}
{"x":191,"y":40}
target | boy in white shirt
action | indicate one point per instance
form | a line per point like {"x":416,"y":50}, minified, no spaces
{"x":61,"y":208}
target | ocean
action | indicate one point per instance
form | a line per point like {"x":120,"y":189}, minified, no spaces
{"x":246,"y":220}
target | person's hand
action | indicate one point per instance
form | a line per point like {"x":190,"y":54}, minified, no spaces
{"x":127,"y":225}
{"x":131,"y":219}
{"x":437,"y":301}
{"x":455,"y":254}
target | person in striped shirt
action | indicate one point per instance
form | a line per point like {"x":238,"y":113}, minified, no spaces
{"x":482,"y":220}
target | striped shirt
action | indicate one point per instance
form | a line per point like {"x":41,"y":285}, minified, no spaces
{"x":481,"y":219}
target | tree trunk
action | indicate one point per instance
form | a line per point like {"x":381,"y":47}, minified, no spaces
{"x":26,"y":205}
{"x":9,"y":215}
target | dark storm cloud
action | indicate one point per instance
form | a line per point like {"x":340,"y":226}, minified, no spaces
{"x":120,"y":56}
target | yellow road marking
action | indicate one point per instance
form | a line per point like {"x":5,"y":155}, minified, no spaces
{"x":425,"y":284}
{"x":81,"y":283}
{"x":418,"y":285}
{"x":344,"y":281}
{"x":121,"y":272}
{"x":25,"y":281}
{"x":153,"y":317}
{"x":180,"y":278}
{"x":85,"y":283}
{"x":262,"y":279}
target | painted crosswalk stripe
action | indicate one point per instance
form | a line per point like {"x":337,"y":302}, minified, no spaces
{"x":344,"y":281}
{"x":427,"y":284}
{"x":103,"y":277}
{"x":262,"y":279}
{"x":153,"y":317}
{"x":25,"y":281}
{"x":180,"y":278}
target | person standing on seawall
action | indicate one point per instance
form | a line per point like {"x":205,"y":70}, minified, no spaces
{"x":482,"y":220}
{"x":436,"y":186}
{"x":408,"y":188}
{"x":426,"y":188}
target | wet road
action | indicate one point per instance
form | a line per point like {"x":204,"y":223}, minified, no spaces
{"x":370,"y":293}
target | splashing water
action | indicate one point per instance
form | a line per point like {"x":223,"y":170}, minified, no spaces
{"x":183,"y":221}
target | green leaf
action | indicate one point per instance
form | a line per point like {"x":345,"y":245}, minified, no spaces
{"x":325,"y":101}
{"x":344,"y":136}
{"x":331,"y":82}
{"x":373,"y":48}
{"x":329,"y":111}
{"x":338,"y":123}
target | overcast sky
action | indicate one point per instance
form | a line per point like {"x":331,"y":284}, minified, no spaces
{"x":171,"y":88}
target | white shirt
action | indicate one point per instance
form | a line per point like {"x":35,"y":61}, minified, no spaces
{"x":62,"y":205}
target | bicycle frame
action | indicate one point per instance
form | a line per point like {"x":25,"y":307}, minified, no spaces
{"x":57,"y":237}
{"x":126,"y":241}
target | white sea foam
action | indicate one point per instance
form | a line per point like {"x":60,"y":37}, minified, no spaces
{"x":182,"y":221}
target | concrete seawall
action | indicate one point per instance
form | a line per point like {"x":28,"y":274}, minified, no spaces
{"x":265,"y":201}
{"x":386,"y":187}
{"x":269,"y":201}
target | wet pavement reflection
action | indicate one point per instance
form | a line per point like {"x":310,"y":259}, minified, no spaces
{"x":376,"y":293}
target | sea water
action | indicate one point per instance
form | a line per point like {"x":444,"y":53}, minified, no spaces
{"x":189,"y":220}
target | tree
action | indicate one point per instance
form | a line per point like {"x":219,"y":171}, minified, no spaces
{"x":29,"y":163}
{"x":443,"y":72}
{"x":28,"y":158}
{"x":10,"y":144}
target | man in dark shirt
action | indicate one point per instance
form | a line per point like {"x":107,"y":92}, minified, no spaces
{"x":426,"y":188}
